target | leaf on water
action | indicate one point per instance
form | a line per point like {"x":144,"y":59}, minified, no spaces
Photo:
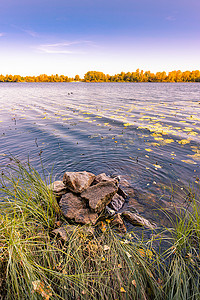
{"x":183,"y":142}
{"x":189,"y":161}
{"x":196,"y":156}
{"x":158,"y":138}
{"x":122,"y":290}
{"x":128,"y":124}
{"x":157,"y":166}
{"x":169,"y":141}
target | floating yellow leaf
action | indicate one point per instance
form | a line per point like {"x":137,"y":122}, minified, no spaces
{"x":157,"y":166}
{"x":168,"y":141}
{"x":183,"y":142}
{"x":122,"y":290}
{"x":158,"y":138}
{"x":189,"y":161}
{"x":128,"y":124}
{"x":148,"y":150}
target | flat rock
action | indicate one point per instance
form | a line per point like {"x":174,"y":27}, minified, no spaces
{"x":137,"y":220}
{"x":66,"y":231}
{"x":103,"y":177}
{"x":58,"y":188}
{"x":74,"y":208}
{"x":100,"y":195}
{"x":77,"y":182}
{"x":118,"y":223}
{"x":116,"y":202}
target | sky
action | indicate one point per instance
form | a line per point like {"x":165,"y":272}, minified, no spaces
{"x":73,"y":37}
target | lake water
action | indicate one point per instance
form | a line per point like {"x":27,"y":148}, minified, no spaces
{"x":146,"y":132}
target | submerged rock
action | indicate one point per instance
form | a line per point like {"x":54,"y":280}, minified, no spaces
{"x":77,"y":182}
{"x":58,"y":188}
{"x":74,"y":208}
{"x":116,"y":202}
{"x":100,"y":195}
{"x":137,"y":220}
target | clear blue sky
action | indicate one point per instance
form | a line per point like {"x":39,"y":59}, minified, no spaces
{"x":73,"y":37}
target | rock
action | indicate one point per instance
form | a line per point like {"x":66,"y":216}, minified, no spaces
{"x":116,"y":202}
{"x":58,"y":188}
{"x":66,"y":231}
{"x":118,"y":223}
{"x":137,"y":220}
{"x":103,"y":177}
{"x":100,"y":195}
{"x":122,"y":193}
{"x":74,"y":208}
{"x":109,"y":212}
{"x":123,"y":182}
{"x":77,"y":182}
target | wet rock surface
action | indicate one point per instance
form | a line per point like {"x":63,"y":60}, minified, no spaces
{"x":100,"y":195}
{"x":77,"y":182}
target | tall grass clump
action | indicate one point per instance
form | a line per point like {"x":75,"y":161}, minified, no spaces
{"x":37,"y":264}
{"x":182,"y":275}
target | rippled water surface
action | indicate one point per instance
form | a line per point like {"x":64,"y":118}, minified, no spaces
{"x":146,"y":132}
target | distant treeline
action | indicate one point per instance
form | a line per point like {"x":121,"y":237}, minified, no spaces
{"x":94,"y":76}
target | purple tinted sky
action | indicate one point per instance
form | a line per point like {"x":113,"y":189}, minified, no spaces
{"x":72,"y":37}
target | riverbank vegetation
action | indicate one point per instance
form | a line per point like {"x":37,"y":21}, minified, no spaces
{"x":35,"y":264}
{"x":94,"y":76}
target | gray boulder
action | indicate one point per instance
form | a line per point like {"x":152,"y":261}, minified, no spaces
{"x":77,"y":182}
{"x":100,"y":195}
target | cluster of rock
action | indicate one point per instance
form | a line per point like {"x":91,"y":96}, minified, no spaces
{"x":85,"y":199}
